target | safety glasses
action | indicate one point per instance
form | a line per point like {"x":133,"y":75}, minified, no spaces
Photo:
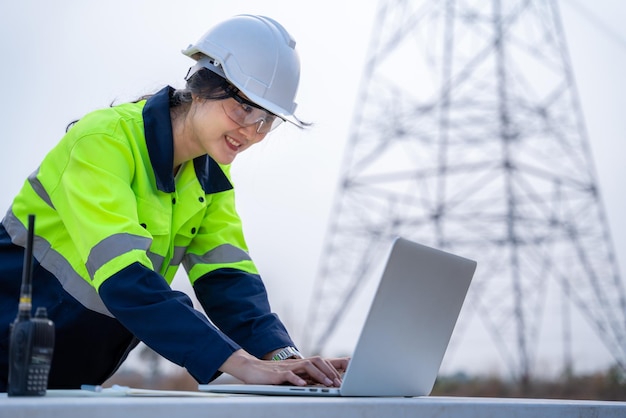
{"x":245,"y":113}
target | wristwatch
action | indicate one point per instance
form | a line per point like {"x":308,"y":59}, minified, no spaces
{"x":286,"y":353}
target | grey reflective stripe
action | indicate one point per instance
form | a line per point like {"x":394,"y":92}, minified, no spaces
{"x":157,"y":261}
{"x":56,"y":264}
{"x":39,"y":189}
{"x":14,"y":227}
{"x":73,"y":284}
{"x":225,"y":253}
{"x":179,"y":253}
{"x":113,"y":246}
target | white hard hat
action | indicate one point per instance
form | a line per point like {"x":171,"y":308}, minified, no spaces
{"x":257,"y":55}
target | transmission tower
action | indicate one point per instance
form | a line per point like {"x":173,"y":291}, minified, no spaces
{"x":468,"y":135}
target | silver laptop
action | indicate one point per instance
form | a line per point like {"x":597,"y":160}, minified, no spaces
{"x":406,"y":332}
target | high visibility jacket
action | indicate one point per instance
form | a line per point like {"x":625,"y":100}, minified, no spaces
{"x":108,"y":208}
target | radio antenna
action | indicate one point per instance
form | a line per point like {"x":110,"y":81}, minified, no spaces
{"x":25,"y":305}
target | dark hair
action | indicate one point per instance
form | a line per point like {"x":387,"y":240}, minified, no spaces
{"x":205,"y":84}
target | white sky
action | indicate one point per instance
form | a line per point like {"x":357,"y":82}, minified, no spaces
{"x":64,"y":58}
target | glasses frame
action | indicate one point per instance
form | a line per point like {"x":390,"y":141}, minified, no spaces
{"x":261,"y":122}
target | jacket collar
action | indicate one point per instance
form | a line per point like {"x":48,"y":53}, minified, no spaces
{"x":160,"y":143}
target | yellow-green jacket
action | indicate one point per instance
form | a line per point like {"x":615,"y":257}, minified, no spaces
{"x":113,"y":225}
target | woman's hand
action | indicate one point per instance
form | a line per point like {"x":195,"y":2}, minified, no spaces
{"x":299,"y":372}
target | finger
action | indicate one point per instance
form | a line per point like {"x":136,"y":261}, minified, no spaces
{"x":335,"y":369}
{"x":329,"y":366}
{"x":340,"y":364}
{"x":294,"y":379}
{"x":320,"y":371}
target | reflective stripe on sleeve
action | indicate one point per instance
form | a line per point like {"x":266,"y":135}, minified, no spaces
{"x":113,"y":246}
{"x":56,"y":264}
{"x":179,"y":254}
{"x":39,"y":189}
{"x":223,"y":254}
{"x":156,"y":260}
{"x":73,"y":284}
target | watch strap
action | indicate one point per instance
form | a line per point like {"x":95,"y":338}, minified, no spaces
{"x":287,"y":353}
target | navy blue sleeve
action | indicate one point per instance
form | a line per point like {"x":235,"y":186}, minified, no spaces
{"x":165,"y":320}
{"x":237,"y":303}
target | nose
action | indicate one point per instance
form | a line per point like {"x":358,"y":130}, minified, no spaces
{"x":251,"y":133}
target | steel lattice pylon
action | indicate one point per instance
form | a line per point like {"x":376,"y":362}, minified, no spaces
{"x":468,"y":136}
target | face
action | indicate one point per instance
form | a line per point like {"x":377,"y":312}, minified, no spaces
{"x":209,"y":130}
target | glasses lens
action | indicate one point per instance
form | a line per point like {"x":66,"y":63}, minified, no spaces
{"x":246,"y":113}
{"x":268,"y":124}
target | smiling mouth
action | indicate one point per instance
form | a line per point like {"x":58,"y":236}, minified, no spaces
{"x":234,"y":144}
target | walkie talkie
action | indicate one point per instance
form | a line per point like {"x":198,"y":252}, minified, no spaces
{"x":32,"y":339}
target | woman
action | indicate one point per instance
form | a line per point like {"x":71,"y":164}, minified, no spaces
{"x":133,"y":191}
